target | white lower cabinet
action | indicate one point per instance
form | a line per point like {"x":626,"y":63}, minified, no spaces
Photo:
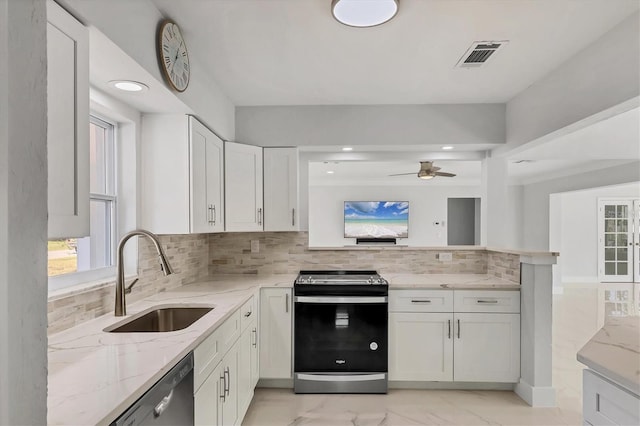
{"x":420,"y":346}
{"x":480,"y":345}
{"x":223,"y":376}
{"x":247,"y":366}
{"x":206,"y":411}
{"x":275,"y":333}
{"x":486,"y":347}
{"x":607,"y":403}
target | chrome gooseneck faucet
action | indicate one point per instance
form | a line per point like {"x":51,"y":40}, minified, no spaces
{"x":121,"y":307}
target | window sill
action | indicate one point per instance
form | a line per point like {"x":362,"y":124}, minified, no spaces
{"x":72,"y":284}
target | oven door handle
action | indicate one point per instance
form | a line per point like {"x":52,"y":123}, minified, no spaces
{"x":341,"y":378}
{"x":340,"y":300}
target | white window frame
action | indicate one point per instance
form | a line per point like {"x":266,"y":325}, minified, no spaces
{"x":127,"y":122}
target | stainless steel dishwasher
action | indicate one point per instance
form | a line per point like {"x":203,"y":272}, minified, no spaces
{"x":168,"y":402}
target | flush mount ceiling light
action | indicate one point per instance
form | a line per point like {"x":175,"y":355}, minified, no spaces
{"x":347,"y":148}
{"x":364,"y":13}
{"x":129,"y":86}
{"x":447,"y":148}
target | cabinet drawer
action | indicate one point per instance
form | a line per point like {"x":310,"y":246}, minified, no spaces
{"x":486,"y":301}
{"x":231,"y":330}
{"x":421,"y":301}
{"x":206,"y":357}
{"x":248,"y":313}
{"x":604,"y":403}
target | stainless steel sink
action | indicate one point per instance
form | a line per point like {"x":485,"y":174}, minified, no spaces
{"x":161,"y":319}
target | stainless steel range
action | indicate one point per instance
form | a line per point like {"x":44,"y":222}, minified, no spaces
{"x":340,"y":332}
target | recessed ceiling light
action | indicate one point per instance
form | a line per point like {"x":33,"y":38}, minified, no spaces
{"x":330,"y":172}
{"x":447,"y":148}
{"x":347,"y":148}
{"x":129,"y":86}
{"x":364,"y":13}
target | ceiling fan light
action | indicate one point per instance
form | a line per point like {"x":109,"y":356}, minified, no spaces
{"x":426,"y":176}
{"x":364,"y":13}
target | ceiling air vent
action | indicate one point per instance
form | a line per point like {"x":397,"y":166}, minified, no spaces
{"x":479,"y":53}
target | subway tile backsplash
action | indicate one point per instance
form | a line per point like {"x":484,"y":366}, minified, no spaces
{"x":287,"y":252}
{"x":193,"y":257}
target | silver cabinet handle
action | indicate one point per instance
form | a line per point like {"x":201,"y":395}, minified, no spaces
{"x":293,"y":217}
{"x":255,"y":337}
{"x":162,"y":405}
{"x":227,"y":383}
{"x":492,"y":301}
{"x":260,"y":216}
{"x":286,"y":302}
{"x":209,"y":214}
{"x":420,"y":301}
{"x":215,"y":215}
{"x":223,"y":385}
{"x":449,"y":326}
{"x":458,"y":329}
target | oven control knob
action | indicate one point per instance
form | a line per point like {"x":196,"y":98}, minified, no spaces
{"x":373,"y":346}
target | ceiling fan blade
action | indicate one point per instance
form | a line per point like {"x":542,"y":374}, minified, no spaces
{"x":403,"y":174}
{"x":444,"y":174}
{"x":435,"y":169}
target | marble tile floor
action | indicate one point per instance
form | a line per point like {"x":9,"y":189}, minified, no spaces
{"x":578,"y":313}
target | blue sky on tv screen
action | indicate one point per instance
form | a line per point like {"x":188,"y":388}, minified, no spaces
{"x":380,"y":210}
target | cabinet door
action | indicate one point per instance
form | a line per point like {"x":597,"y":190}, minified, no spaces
{"x":208,"y":399}
{"x":67,"y":124}
{"x":206,"y":179}
{"x":255,"y":356}
{"x":229,"y":407}
{"x":245,"y":388}
{"x":421,"y":346}
{"x":281,"y":189}
{"x":275,"y":333}
{"x":486,"y":347}
{"x":243,"y":187}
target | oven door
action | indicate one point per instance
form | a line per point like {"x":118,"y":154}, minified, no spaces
{"x":340,"y":334}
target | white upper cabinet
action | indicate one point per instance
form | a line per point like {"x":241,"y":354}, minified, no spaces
{"x":182,"y":176}
{"x":67,"y":124}
{"x":207,"y":179}
{"x":281,"y":189}
{"x":243,"y":187}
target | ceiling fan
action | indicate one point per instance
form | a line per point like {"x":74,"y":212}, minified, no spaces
{"x":427,"y":171}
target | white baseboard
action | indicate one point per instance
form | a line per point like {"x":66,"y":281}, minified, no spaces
{"x":581,"y":279}
{"x":536,"y":396}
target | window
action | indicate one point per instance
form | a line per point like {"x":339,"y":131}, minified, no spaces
{"x":97,"y":250}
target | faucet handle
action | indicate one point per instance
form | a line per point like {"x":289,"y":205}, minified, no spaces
{"x":128,"y":289}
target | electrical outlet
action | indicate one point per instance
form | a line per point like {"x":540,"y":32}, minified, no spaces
{"x":445,"y":257}
{"x":255,"y":246}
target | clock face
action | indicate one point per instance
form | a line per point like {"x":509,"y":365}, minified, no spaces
{"x":173,"y":56}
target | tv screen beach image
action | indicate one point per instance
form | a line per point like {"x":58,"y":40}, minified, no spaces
{"x":376,"y":219}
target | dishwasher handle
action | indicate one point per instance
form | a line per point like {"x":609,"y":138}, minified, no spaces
{"x":162,"y":405}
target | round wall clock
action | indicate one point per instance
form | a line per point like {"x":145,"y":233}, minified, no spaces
{"x":173,"y":56}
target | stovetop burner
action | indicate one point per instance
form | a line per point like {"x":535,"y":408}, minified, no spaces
{"x":351,"y":277}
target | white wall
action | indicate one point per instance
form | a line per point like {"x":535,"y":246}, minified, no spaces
{"x":536,"y":206}
{"x":427,"y":205}
{"x":370,"y":125}
{"x":578,"y":228}
{"x":601,"y":76}
{"x":23,"y":213}
{"x":132,"y":25}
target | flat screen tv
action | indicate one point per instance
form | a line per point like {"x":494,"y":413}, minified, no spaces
{"x":376,"y":219}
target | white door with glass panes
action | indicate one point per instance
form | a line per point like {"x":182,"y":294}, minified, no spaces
{"x":618,"y":240}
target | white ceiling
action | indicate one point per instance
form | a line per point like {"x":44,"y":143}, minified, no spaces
{"x":292,"y":52}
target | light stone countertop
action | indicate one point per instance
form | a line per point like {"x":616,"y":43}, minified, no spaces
{"x":614,"y":352}
{"x":449,"y":281}
{"x":94,"y":376}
